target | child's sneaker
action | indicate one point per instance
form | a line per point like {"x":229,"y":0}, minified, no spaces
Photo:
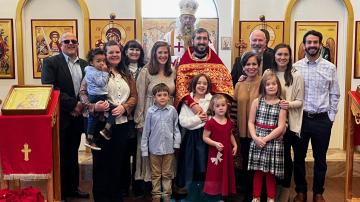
{"x":92,"y":145}
{"x":106,"y":133}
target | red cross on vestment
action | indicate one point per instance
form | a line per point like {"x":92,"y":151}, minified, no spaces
{"x":178,"y":46}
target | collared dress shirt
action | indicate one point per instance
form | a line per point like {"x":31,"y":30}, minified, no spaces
{"x":75,"y":71}
{"x":322,"y":91}
{"x":161,"y":132}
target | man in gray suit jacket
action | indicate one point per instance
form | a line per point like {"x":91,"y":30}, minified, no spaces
{"x":65,"y":71}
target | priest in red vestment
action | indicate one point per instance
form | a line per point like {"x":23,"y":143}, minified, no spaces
{"x":201,"y":59}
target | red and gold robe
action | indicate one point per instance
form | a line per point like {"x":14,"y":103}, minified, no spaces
{"x":189,"y":67}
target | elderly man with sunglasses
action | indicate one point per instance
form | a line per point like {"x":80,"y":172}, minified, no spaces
{"x":65,"y":71}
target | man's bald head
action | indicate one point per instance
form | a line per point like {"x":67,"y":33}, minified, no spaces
{"x":69,"y":44}
{"x":67,"y":35}
{"x":257,"y":41}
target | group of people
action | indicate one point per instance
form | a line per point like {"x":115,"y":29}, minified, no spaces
{"x":192,"y":126}
{"x":109,"y":86}
{"x":309,"y":94}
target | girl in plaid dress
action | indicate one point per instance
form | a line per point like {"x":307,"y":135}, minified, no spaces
{"x":266,"y":125}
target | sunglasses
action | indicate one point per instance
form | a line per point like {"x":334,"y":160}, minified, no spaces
{"x":73,"y":41}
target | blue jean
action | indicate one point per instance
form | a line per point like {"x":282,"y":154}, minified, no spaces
{"x":93,"y":120}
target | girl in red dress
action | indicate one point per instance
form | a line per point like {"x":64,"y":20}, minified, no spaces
{"x":220,"y":178}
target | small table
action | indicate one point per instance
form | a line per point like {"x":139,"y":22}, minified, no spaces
{"x":352,"y":119}
{"x":33,"y":128}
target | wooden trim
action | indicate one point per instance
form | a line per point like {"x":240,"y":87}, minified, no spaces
{"x":56,"y":155}
{"x":349,"y":150}
{"x":236,"y":33}
{"x":288,"y":16}
{"x":349,"y":66}
{"x":139,"y":22}
{"x":86,"y":16}
{"x":19,"y":42}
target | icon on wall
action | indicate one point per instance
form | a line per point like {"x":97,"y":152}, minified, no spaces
{"x":104,"y":30}
{"x":357,"y":51}
{"x":46,"y":40}
{"x":7,"y":67}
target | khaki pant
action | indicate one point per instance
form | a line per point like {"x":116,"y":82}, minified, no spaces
{"x":161,"y":172}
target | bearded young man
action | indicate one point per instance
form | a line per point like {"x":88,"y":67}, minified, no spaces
{"x":201,"y":59}
{"x":320,"y":107}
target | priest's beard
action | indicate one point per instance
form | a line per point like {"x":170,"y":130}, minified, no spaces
{"x":199,"y":52}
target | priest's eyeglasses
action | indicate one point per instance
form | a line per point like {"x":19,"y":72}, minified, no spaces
{"x":73,"y":41}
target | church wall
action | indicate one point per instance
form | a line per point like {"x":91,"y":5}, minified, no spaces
{"x":252,"y":9}
{"x":225,"y":11}
{"x":122,"y":9}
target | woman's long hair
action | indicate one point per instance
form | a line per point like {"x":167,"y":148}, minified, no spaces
{"x":154,"y":63}
{"x":288,"y":76}
{"x":123,"y":70}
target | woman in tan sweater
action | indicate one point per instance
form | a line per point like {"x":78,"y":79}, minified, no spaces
{"x":245,"y":92}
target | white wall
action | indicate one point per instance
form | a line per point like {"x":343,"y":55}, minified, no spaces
{"x":102,"y":9}
{"x":225,"y":11}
